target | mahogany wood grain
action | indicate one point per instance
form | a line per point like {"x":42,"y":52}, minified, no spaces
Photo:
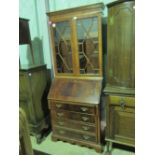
{"x":75,"y":108}
{"x":83,"y":91}
{"x":120,"y":74}
{"x":74,"y":105}
{"x":74,"y":96}
{"x":121,"y":44}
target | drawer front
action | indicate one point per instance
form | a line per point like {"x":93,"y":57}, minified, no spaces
{"x":76,"y":108}
{"x":61,"y":114}
{"x":73,"y":135}
{"x":122,"y":101}
{"x":75,"y":125}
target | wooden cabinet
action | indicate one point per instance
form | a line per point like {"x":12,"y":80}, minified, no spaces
{"x":74,"y":97}
{"x":74,"y":106}
{"x":121,"y":119}
{"x":76,"y":37}
{"x":33,"y":91}
{"x":120,"y":73}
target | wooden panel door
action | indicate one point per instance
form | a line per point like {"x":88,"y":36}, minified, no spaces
{"x":122,"y":124}
{"x":25,"y":97}
{"x":38,"y":81}
{"x":121,"y":44}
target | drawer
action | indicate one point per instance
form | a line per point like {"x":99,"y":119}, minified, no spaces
{"x":122,"y":101}
{"x":76,"y":108}
{"x":75,"y":125}
{"x":61,"y":114}
{"x":73,"y":135}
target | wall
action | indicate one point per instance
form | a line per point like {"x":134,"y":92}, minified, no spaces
{"x":35,"y":11}
{"x":27,"y":9}
{"x":42,"y":8}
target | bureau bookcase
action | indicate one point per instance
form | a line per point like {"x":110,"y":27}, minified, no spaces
{"x":120,"y":74}
{"x":74,"y":97}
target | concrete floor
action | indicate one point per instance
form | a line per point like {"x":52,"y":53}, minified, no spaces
{"x":64,"y":148}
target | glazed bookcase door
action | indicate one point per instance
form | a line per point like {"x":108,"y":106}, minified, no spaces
{"x":88,"y":45}
{"x":62,"y":46}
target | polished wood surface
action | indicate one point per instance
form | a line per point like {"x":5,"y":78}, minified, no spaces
{"x":80,"y":91}
{"x":77,"y":108}
{"x":74,"y":96}
{"x":74,"y":106}
{"x":122,"y":100}
{"x":121,"y":44}
{"x":118,"y":90}
{"x":78,"y":11}
{"x":121,"y":119}
{"x":74,"y":116}
{"x":33,"y":90}
{"x":73,"y":134}
{"x":120,"y":74}
{"x":80,"y":127}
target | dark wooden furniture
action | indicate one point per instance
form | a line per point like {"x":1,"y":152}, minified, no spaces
{"x":25,"y":147}
{"x":120,"y":74}
{"x":74,"y":106}
{"x":33,"y":90}
{"x":24,"y":135}
{"x":24,"y":34}
{"x":74,"y":97}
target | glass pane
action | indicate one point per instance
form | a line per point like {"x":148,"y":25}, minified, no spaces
{"x":62,"y":36}
{"x":88,"y":45}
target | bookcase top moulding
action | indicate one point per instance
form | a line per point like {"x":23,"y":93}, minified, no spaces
{"x":97,"y":7}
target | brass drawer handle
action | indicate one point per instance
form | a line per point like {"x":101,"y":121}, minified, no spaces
{"x":61,"y":123}
{"x":58,"y":105}
{"x":84,"y":109}
{"x":86,"y":128}
{"x":122,"y":103}
{"x":85,"y":118}
{"x":86,"y":137}
{"x":60,"y":114}
{"x":62,"y":132}
{"x":30,"y":74}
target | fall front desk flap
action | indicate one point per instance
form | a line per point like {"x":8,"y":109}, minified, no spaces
{"x":75,"y":90}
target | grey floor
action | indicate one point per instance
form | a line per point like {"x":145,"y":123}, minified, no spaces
{"x":64,"y":148}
